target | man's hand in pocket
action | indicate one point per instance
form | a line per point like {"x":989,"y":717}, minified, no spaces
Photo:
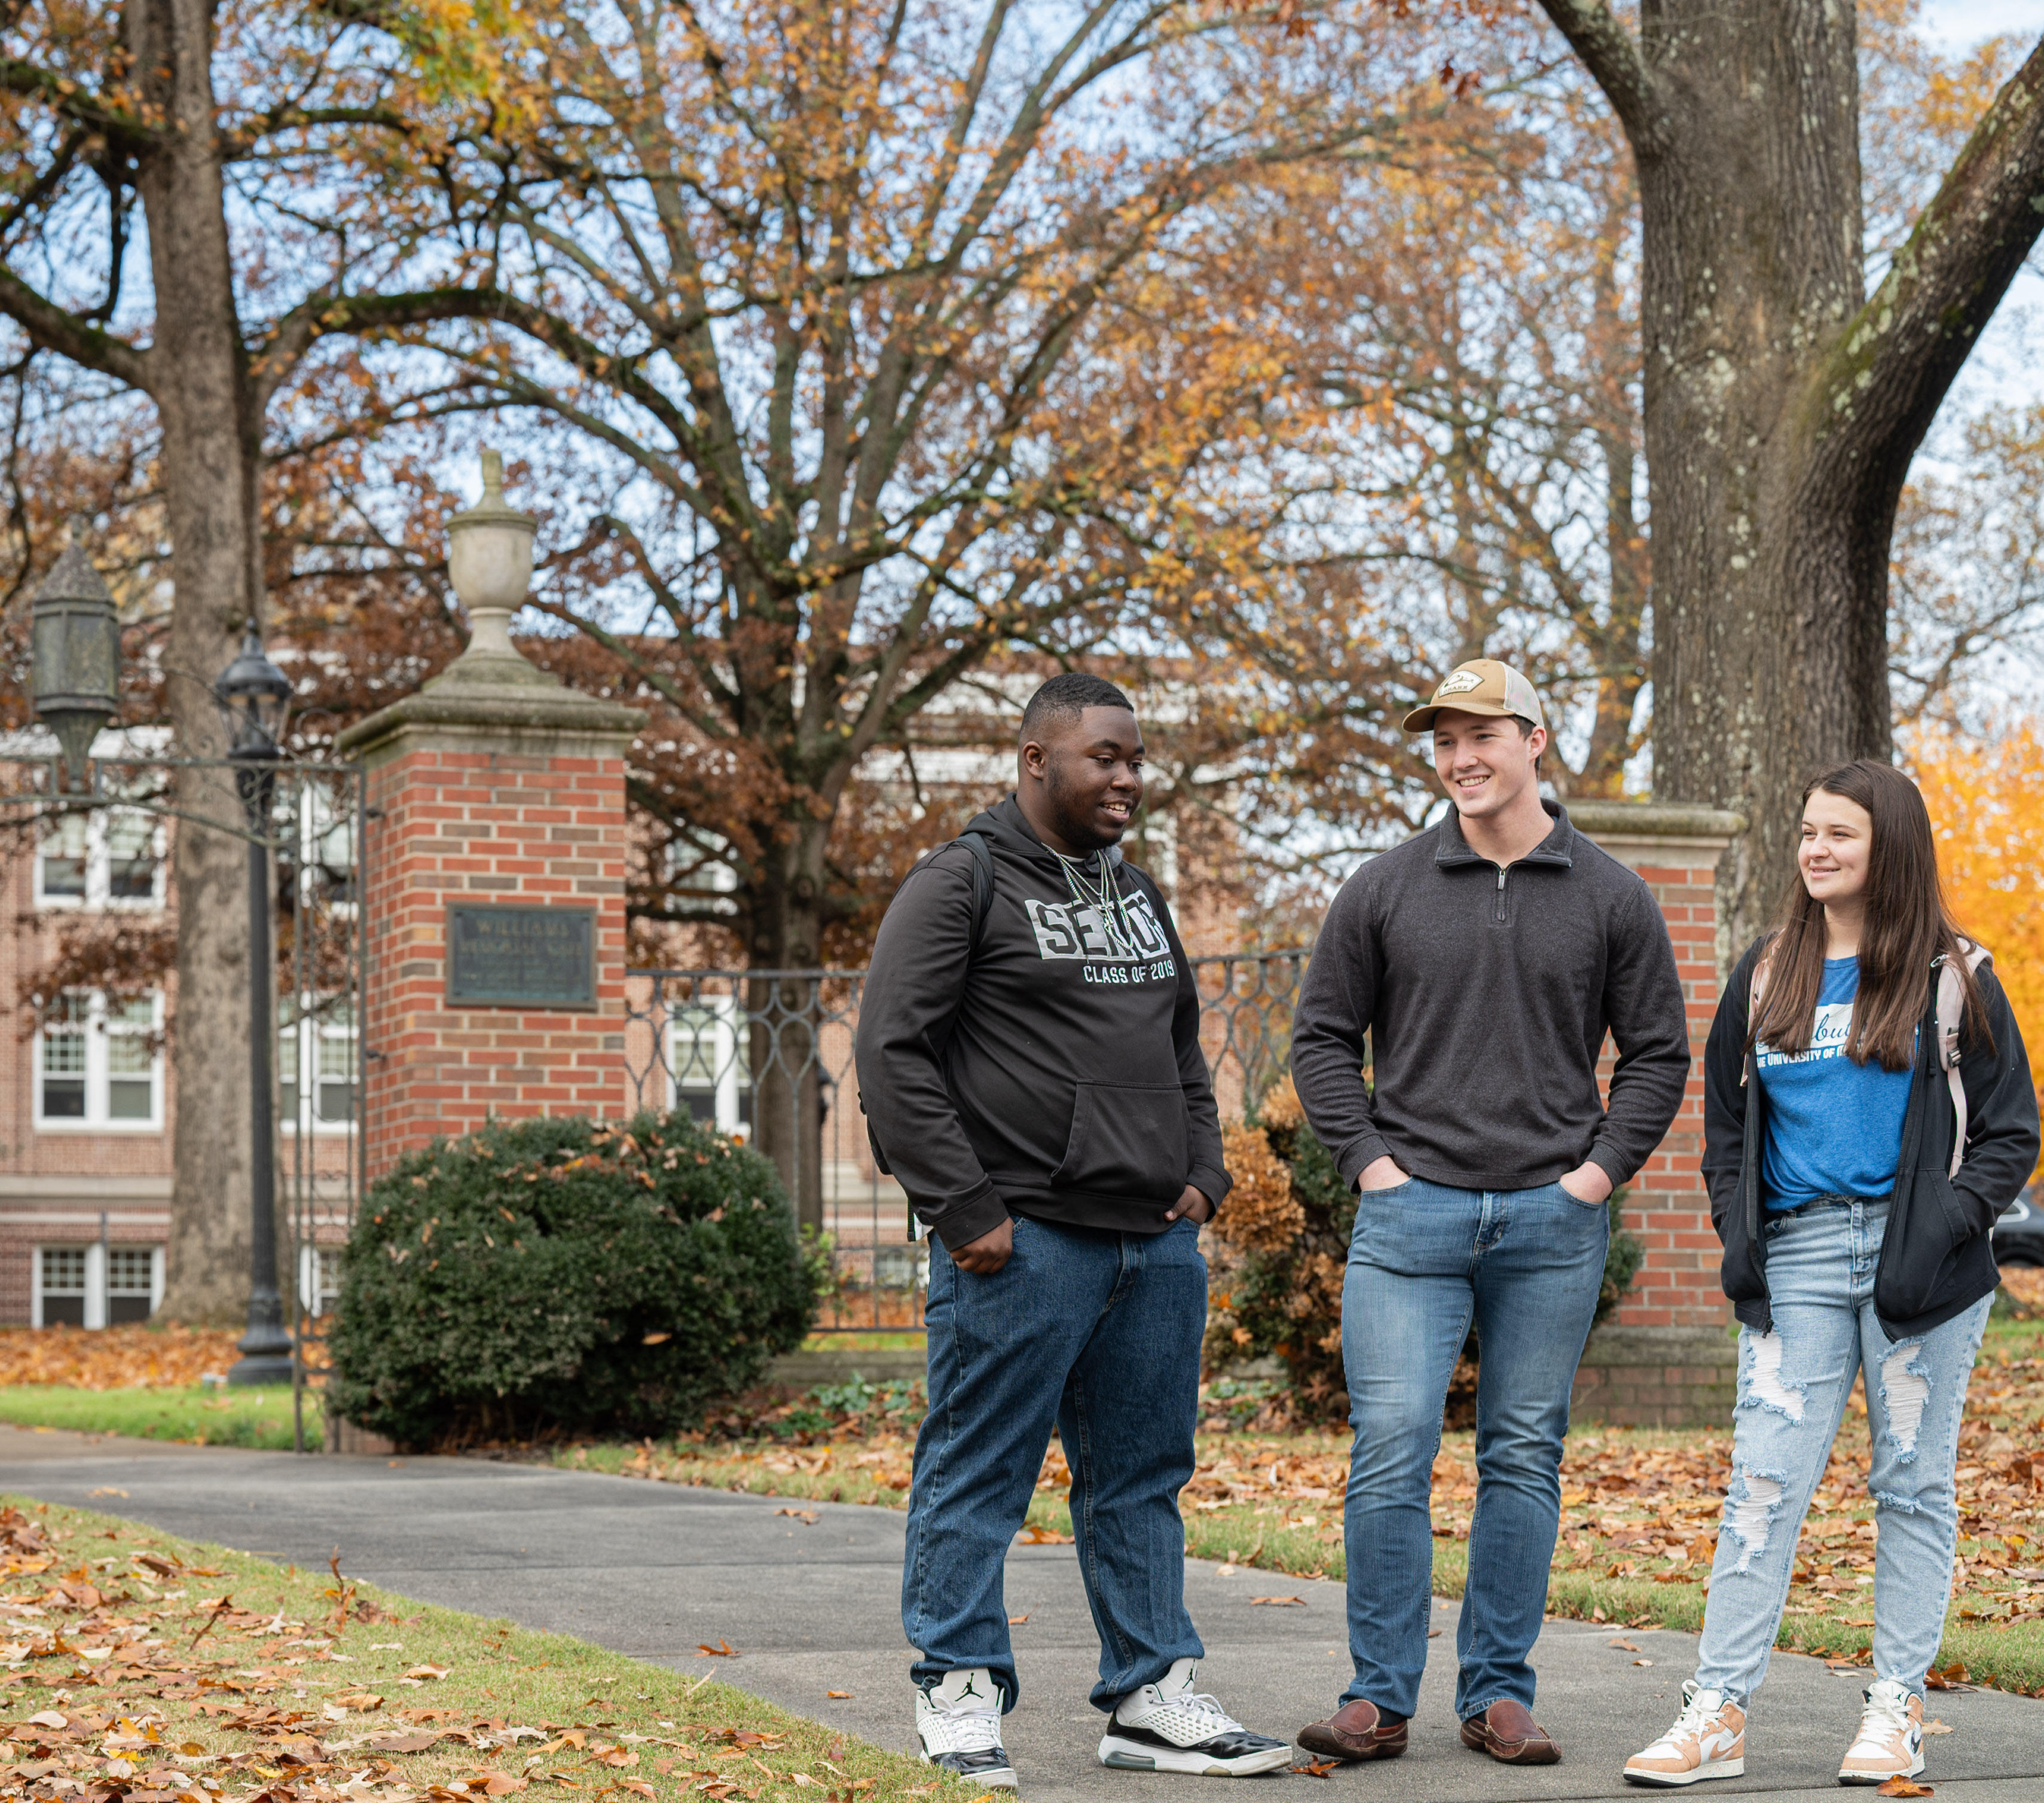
{"x":1382,"y":1174}
{"x":1194,"y":1205}
{"x":1589,"y":1183}
{"x":986,"y":1254}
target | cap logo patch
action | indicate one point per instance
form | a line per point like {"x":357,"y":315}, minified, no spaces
{"x":1458,"y":683}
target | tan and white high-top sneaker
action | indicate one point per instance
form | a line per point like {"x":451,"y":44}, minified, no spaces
{"x":1708,"y":1740}
{"x":1890,"y":1741}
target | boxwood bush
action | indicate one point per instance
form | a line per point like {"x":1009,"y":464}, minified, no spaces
{"x":549,"y":1275}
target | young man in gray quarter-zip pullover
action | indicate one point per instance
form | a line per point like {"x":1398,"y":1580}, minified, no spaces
{"x":1476,"y":969}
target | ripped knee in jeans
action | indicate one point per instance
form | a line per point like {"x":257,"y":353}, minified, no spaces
{"x":1905,"y":1390}
{"x":1749,"y":1513}
{"x":1763,"y":1386}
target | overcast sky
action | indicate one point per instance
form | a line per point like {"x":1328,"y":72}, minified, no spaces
{"x":1957,"y":23}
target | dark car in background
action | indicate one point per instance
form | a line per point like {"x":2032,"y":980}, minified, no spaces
{"x":2019,"y":1235}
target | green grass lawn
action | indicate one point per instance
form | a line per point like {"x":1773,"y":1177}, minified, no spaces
{"x":200,"y":1415}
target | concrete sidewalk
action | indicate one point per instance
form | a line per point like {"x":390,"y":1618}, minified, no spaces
{"x":652,"y":1570}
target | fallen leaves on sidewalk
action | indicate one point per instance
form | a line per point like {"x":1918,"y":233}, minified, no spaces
{"x":723,"y":1650}
{"x":1299,"y":1602}
{"x":1905,"y":1787}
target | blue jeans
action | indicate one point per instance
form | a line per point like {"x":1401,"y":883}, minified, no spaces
{"x":1100,"y":1333}
{"x":1792,"y":1386}
{"x":1425,"y":1260}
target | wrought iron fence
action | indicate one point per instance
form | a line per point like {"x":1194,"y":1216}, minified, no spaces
{"x":769,"y":1055}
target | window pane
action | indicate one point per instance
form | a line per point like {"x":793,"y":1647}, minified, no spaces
{"x":127,"y":1270}
{"x":63,"y":858}
{"x":336,"y":1101}
{"x":128,"y":1054}
{"x":141,"y":1014}
{"x":63,"y":1098}
{"x":131,"y":858}
{"x":336,"y":1055}
{"x":63,"y":1052}
{"x":64,"y":1270}
{"x":128,"y":1099}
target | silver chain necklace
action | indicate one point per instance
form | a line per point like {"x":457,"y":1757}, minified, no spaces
{"x":1105,"y":900}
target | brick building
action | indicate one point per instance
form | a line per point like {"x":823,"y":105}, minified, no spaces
{"x":85,"y":1083}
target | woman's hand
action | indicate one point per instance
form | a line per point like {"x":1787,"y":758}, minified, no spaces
{"x":1194,"y":1205}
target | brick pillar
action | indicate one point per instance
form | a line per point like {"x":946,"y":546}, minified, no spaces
{"x":1666,"y":1356}
{"x":496,"y":828}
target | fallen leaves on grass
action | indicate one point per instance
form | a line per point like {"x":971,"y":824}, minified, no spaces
{"x":114,"y":1358}
{"x":1043,"y":1537}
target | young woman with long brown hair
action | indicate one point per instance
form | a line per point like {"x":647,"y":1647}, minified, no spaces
{"x":1855,"y":1205}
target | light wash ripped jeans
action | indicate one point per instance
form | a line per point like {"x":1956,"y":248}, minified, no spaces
{"x":1792,"y":1386}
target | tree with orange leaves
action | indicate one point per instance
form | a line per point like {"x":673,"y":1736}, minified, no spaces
{"x":1987,"y":807}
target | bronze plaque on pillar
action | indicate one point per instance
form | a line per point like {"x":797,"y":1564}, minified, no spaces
{"x":514,"y":957}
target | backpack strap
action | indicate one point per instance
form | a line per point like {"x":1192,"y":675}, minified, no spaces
{"x":981,"y":848}
{"x":1755,"y":990}
{"x":1951,"y":1008}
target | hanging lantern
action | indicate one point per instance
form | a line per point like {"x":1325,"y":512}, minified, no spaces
{"x":75,"y":671}
{"x":253,"y":695}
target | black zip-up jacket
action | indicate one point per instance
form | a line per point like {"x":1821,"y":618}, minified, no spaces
{"x":1936,"y":1260}
{"x":1486,"y":994}
{"x":1041,"y":1074}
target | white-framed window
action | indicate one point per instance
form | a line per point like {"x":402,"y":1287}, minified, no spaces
{"x":319,"y":1278}
{"x":99,"y":1065}
{"x":316,"y":1052}
{"x":109,"y":858}
{"x":710,"y":1055}
{"x":97,"y":1286}
{"x":134,"y":1282}
{"x":61,"y":1285}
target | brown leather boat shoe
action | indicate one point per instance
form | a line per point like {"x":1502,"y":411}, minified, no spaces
{"x":1356,"y":1731}
{"x":1507,"y":1730}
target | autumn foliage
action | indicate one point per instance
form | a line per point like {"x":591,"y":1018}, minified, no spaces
{"x":1986,"y":801}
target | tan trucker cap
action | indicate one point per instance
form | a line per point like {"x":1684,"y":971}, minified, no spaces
{"x":1483,"y":686}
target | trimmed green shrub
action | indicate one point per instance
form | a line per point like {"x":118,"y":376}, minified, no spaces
{"x":550,"y":1275}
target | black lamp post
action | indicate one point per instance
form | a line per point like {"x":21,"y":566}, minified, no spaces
{"x":253,"y":694}
{"x":75,"y":659}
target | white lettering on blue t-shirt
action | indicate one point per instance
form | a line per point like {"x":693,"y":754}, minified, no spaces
{"x":1834,"y":1127}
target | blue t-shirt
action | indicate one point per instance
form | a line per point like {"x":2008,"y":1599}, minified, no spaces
{"x":1834,"y":1127}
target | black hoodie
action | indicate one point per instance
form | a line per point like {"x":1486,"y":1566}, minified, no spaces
{"x":1040,"y":1075}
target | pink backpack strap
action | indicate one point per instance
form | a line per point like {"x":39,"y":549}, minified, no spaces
{"x":1951,"y":1008}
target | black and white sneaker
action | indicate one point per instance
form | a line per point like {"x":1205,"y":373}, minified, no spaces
{"x":957,"y":1719}
{"x":1169,"y":1727}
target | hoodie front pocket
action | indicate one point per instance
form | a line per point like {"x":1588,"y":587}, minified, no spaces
{"x":1127,"y":1139}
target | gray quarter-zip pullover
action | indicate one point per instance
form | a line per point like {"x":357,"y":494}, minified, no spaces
{"x":1486,"y":993}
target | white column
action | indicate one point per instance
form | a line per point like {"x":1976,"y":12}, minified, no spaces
{"x":96,"y":1284}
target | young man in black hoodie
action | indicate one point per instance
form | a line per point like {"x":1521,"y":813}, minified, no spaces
{"x":1029,"y":1059}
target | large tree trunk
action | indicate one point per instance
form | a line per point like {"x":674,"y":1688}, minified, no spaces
{"x":211,"y":468}
{"x":1782,"y":406}
{"x":1769,"y":657}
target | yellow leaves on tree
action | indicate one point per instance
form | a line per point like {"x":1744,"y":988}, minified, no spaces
{"x":1987,"y":809}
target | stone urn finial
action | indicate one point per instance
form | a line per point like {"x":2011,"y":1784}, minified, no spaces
{"x":489,"y":559}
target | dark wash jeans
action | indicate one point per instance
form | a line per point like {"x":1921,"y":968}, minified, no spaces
{"x":1424,"y":1261}
{"x":1099,"y":1332}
